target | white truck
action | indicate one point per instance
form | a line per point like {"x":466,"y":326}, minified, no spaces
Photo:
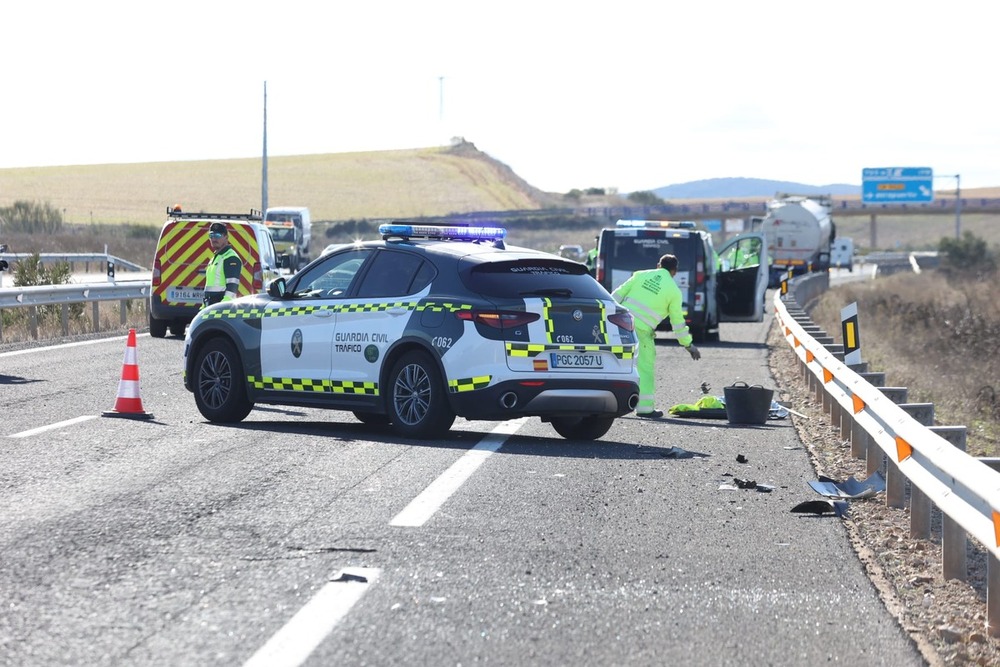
{"x":291,"y":231}
{"x":842,"y":253}
{"x":799,"y":232}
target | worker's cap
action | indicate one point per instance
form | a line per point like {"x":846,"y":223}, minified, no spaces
{"x":217,"y":229}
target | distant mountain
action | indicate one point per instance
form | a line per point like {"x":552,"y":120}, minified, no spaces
{"x":742,"y":188}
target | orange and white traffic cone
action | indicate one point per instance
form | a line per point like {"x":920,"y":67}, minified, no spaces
{"x":129,"y":403}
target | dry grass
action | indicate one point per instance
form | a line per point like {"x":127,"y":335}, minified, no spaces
{"x":341,"y":186}
{"x":938,"y":338}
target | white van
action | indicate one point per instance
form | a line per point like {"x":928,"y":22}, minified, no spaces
{"x":842,"y":253}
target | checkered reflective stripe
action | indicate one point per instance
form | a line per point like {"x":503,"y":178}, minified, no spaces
{"x":469,"y":384}
{"x":317,"y":386}
{"x":241,"y":312}
{"x":534,"y":349}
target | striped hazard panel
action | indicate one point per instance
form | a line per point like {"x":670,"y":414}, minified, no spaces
{"x":184,"y":252}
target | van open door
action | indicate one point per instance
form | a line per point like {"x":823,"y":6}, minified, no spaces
{"x":742,"y":278}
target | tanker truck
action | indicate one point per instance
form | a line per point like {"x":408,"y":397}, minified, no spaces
{"x":799,"y":233}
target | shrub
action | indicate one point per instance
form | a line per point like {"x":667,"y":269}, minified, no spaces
{"x":969,"y":256}
{"x":31,"y":217}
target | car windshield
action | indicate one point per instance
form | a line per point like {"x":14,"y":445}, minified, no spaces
{"x":282,"y":233}
{"x":542,"y":277}
{"x":330,"y":278}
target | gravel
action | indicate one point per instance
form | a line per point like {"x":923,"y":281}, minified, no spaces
{"x":946,"y":619}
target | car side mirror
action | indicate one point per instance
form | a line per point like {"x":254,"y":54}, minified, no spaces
{"x":277,"y":288}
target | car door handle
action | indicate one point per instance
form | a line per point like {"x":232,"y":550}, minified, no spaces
{"x":397,"y":311}
{"x":322,"y":313}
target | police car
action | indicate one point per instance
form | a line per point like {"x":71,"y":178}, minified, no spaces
{"x":425,"y":325}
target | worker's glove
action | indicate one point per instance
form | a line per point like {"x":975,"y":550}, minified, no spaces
{"x":694,"y":352}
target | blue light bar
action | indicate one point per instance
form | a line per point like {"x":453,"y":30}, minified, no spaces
{"x":443,"y":232}
{"x":657,"y":224}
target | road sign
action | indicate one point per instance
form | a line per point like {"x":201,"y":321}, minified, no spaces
{"x":897,"y":184}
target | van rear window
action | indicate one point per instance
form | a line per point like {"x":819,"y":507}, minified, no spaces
{"x":514,"y":279}
{"x":643,"y":250}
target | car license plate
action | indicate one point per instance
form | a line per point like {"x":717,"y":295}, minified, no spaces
{"x":571,"y":360}
{"x":184,"y":295}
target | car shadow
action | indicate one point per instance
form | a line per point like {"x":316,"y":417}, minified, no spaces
{"x":464,"y":439}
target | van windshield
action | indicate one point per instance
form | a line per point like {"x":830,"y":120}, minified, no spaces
{"x":643,"y":251}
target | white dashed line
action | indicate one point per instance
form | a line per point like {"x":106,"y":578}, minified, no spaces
{"x":52,"y":427}
{"x":430,"y":499}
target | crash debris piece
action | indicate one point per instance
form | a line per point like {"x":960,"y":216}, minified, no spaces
{"x":851,"y":488}
{"x":822,"y":507}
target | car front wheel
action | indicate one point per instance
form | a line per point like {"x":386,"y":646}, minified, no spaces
{"x":220,"y":391}
{"x":418,"y":407}
{"x":582,"y":428}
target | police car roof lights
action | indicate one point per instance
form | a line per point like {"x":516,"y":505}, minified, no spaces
{"x":658,"y":224}
{"x":442,"y":232}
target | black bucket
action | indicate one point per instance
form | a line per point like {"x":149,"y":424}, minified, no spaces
{"x":746,"y":404}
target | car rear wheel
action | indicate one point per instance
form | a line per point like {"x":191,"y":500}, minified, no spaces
{"x":582,"y":428}
{"x":157,"y":328}
{"x":418,"y":407}
{"x":219,"y":388}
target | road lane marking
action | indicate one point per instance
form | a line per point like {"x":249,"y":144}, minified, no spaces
{"x":430,"y":499}
{"x":52,"y":427}
{"x":297,"y":639}
{"x":66,"y":345}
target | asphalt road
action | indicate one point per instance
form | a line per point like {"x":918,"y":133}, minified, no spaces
{"x":305,"y":537}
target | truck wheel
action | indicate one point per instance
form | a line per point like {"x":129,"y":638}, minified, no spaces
{"x":157,"y":328}
{"x":220,"y":390}
{"x":582,"y":428}
{"x":418,"y":406}
{"x":177,"y":329}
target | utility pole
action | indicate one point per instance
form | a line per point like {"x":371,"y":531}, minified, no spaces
{"x":958,"y":202}
{"x":263,"y":176}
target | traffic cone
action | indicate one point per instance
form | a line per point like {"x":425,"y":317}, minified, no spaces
{"x":128,"y":403}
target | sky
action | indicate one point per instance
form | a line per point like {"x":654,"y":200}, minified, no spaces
{"x":632,"y":95}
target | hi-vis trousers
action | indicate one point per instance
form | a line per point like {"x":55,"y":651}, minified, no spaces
{"x":646,"y":363}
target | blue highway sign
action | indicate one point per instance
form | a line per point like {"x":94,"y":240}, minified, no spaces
{"x":897,"y":184}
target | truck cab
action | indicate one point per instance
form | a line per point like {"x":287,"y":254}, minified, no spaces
{"x":291,"y":231}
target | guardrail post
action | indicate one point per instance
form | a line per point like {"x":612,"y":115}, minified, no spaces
{"x":895,"y":481}
{"x":97,"y":316}
{"x":954,"y":541}
{"x":33,"y":321}
{"x":64,"y":318}
{"x":920,"y":505}
{"x":122,"y":312}
{"x":992,"y":595}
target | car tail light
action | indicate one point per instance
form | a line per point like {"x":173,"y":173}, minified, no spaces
{"x":498,"y":319}
{"x":599,"y":272}
{"x":623,"y":319}
{"x":258,"y":279}
{"x":699,"y":273}
{"x":156,"y":273}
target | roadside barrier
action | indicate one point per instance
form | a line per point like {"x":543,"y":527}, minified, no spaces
{"x":922,"y":462}
{"x":129,"y":402}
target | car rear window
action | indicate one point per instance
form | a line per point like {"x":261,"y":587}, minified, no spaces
{"x":541,"y":276}
{"x":644,"y":249}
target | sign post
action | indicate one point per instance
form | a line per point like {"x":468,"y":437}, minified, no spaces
{"x":897,"y":185}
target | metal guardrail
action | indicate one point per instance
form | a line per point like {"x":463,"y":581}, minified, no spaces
{"x":73,"y":258}
{"x":49,"y":295}
{"x":888,"y":432}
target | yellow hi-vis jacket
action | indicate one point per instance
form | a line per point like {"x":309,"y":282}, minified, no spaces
{"x":222,"y":276}
{"x":652,"y":296}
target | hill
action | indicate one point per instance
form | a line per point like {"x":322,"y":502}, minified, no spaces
{"x":747,"y":188}
{"x":340,"y":186}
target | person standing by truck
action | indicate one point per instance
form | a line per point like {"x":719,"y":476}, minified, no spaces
{"x":652,"y":296}
{"x":222,"y":276}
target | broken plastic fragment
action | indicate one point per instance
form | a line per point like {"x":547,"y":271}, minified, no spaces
{"x":852,"y":488}
{"x":821,"y":507}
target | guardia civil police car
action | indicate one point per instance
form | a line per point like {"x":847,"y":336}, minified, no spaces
{"x":426,"y":324}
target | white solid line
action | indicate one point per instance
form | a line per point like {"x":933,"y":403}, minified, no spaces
{"x":65,"y":345}
{"x":297,"y":639}
{"x":52,"y":427}
{"x":430,"y":499}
